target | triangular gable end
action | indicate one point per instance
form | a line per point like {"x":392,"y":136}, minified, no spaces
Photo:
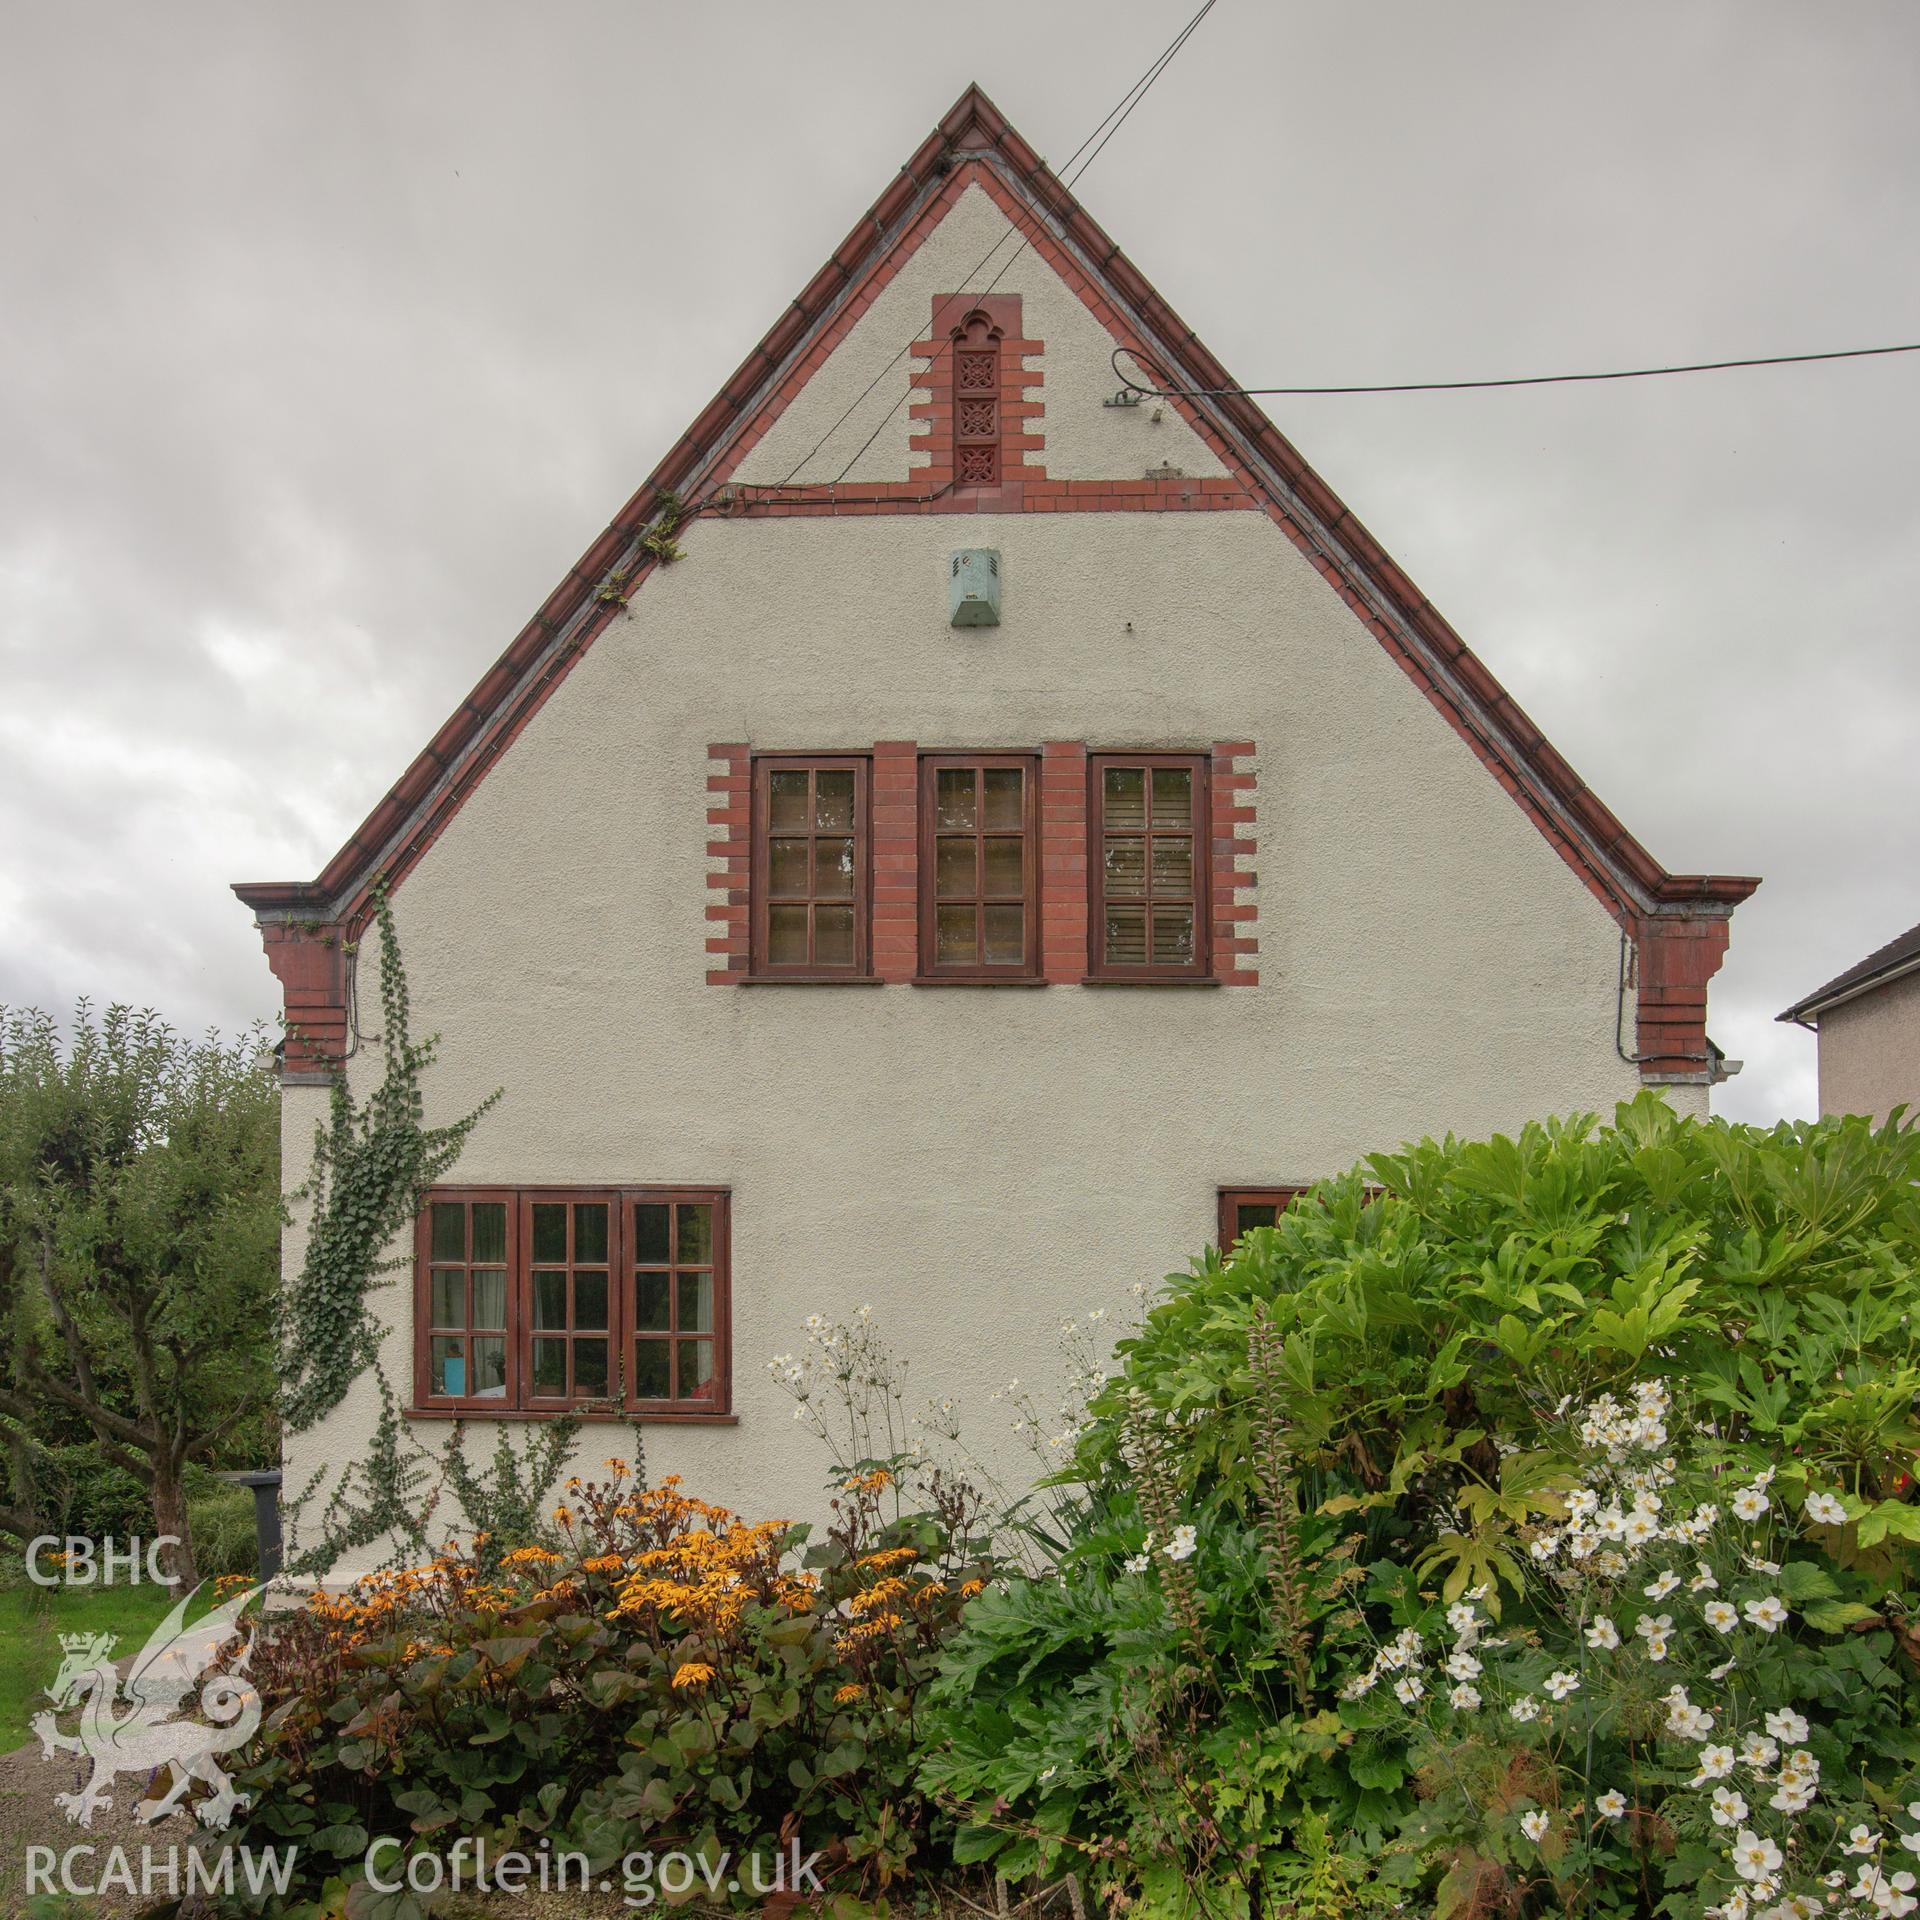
{"x":1677,"y":923}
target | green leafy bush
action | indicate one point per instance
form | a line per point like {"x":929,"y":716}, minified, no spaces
{"x":664,"y":1678}
{"x":1358,"y":1417}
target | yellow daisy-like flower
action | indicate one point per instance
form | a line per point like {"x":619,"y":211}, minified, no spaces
{"x":692,"y":1673}
{"x":971,"y":1588}
{"x":849,"y":1692}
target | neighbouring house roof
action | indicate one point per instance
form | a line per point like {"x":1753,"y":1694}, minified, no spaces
{"x":1678,"y":921}
{"x":1898,"y":956}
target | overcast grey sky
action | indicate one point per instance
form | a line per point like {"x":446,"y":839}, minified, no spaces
{"x":330,"y":336}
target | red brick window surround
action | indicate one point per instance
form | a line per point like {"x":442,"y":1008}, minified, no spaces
{"x":979,"y":868}
{"x":892,"y":912}
{"x":563,"y":1300}
{"x":811,"y":881}
{"x":1148,"y":830}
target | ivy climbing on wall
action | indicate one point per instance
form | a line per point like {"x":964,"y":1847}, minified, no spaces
{"x":372,"y":1163}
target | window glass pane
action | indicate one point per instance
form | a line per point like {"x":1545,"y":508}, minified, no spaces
{"x":1003,"y":874}
{"x":953,"y":875}
{"x":490,"y":1297}
{"x":1006,"y":935}
{"x":1172,"y":936}
{"x":589,"y":1299}
{"x":1172,"y":795}
{"x":590,"y":1366}
{"x":953,"y":936}
{"x":1003,"y":798}
{"x":833,"y":869}
{"x":953,"y":797}
{"x":549,"y":1367}
{"x":549,"y":1299}
{"x":1126,"y":796}
{"x":787,"y":800}
{"x":590,"y":1230}
{"x":449,"y":1230}
{"x":833,"y":799}
{"x":696,"y":1303}
{"x":447,"y":1364}
{"x":1126,"y":936}
{"x":650,"y":1230}
{"x":549,"y":1233}
{"x":696,"y":1369}
{"x":833,"y":936}
{"x":1173,"y":865}
{"x":696,"y":1234}
{"x":787,"y":868}
{"x":449,"y":1298}
{"x":490,"y":1367}
{"x":787,"y":936}
{"x":650,"y":1303}
{"x":1126,"y":866}
{"x":1252,"y":1213}
{"x":490,"y":1232}
{"x":651,"y":1362}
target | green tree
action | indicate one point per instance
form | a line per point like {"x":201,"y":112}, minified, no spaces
{"x":140,"y":1218}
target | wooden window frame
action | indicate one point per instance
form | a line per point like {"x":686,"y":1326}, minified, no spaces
{"x":1100,"y":970}
{"x":1232,"y":1199}
{"x":518,"y":1403}
{"x":980,"y":972}
{"x":423,"y":1328}
{"x":720,"y":1264}
{"x":759,"y":967}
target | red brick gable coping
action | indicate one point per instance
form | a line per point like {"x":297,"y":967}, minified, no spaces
{"x":1677,"y":921}
{"x":896,"y":863}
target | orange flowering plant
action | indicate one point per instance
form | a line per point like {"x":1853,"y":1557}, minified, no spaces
{"x":658,"y":1672}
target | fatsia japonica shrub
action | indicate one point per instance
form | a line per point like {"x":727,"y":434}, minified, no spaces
{"x":665,"y":1675}
{"x":1364,"y":1416}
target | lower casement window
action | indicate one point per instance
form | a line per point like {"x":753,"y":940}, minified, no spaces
{"x":536,"y":1300}
{"x":1244,"y":1208}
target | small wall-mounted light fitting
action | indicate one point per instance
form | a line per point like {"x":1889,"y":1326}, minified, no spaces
{"x":973,"y":588}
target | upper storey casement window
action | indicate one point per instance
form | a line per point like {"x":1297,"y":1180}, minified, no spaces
{"x":811,"y":883}
{"x":979,"y":866}
{"x":976,"y":402}
{"x":1147,"y":815}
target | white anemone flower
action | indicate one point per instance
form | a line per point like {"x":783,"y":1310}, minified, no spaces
{"x":1464,"y":1699}
{"x":1534,"y":1825}
{"x":1611,"y":1805}
{"x":1561,"y":1684}
{"x":1720,"y":1615}
{"x":1716,"y":1762}
{"x":1729,"y":1808}
{"x":1861,"y":1839}
{"x":1825,"y":1510}
{"x":1750,"y":1503}
{"x":1525,"y":1708}
{"x":1767,"y":1613}
{"x":1603,"y":1634}
{"x":1755,"y":1857}
{"x":1787,"y":1725}
{"x":1662,"y":1584}
{"x":1183,"y":1544}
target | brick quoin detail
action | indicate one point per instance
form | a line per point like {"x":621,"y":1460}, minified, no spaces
{"x":896,"y":860}
{"x":312,"y":973}
{"x":1236,"y":942}
{"x":730,"y":861}
{"x":1063,"y":861}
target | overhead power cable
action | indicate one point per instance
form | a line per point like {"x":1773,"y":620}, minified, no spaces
{"x":1108,"y":127}
{"x":1468,"y":386}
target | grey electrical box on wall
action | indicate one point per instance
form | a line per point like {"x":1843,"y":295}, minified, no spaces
{"x":973,"y":588}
